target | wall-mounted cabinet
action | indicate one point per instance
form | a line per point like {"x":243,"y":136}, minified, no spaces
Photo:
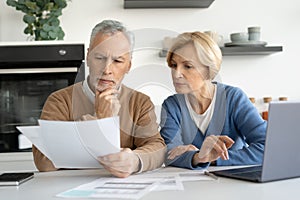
{"x":238,"y":50}
{"x":167,"y":3}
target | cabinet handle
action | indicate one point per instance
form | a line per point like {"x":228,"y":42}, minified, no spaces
{"x":39,"y":70}
{"x":62,"y":52}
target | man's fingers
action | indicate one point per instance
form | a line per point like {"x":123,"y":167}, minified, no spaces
{"x":116,"y":172}
{"x":108,"y":92}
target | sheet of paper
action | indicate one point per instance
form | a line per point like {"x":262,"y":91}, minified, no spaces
{"x":173,"y":172}
{"x":71,"y":144}
{"x":88,"y":132}
{"x":33,"y":133}
{"x":111,"y":188}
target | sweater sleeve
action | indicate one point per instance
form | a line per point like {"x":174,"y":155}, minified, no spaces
{"x":247,"y":127}
{"x":148,"y":143}
{"x":54,"y":109}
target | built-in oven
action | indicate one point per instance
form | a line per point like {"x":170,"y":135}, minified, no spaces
{"x":28,"y":74}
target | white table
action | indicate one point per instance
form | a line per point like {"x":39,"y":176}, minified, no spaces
{"x":45,"y":186}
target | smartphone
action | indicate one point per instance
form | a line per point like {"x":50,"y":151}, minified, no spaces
{"x":15,"y":178}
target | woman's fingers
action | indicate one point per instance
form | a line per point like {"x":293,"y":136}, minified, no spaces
{"x":213,"y":147}
{"x":227,"y":140}
{"x":219,"y":146}
{"x":223,"y":144}
{"x":221,"y":149}
{"x":175,"y":152}
{"x":179,"y":150}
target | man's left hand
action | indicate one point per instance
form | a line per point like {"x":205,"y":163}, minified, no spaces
{"x":121,"y":164}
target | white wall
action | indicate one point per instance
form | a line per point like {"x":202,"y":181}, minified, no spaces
{"x":273,"y":75}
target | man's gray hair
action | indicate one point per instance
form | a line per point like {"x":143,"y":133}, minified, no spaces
{"x":111,"y":27}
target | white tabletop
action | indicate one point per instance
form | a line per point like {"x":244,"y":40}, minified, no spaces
{"x":46,"y":185}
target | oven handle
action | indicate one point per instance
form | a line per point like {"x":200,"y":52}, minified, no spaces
{"x":39,"y":70}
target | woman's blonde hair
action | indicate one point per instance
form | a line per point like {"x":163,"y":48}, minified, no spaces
{"x":207,"y":49}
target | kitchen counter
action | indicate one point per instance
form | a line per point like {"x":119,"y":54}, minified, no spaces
{"x":22,"y":161}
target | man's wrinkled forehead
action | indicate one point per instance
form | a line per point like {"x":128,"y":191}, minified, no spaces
{"x":108,"y":43}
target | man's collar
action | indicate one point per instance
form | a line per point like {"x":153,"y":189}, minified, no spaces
{"x":88,"y":92}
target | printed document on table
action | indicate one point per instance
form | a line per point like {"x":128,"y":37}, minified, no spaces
{"x":111,"y":188}
{"x":136,"y":185}
{"x":70,"y":144}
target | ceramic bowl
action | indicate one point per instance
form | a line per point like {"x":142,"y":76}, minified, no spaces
{"x":239,"y":37}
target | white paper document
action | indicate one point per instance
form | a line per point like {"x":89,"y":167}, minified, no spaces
{"x":111,"y":188}
{"x":137,"y":185}
{"x":70,"y":144}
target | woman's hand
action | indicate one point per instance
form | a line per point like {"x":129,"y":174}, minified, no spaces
{"x":213,"y":148}
{"x":177,"y":151}
{"x":121,"y":164}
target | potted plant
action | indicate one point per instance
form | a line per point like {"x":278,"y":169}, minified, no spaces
{"x":41,"y":17}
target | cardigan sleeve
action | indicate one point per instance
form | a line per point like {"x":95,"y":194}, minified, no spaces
{"x":171,"y":131}
{"x":246,"y":126}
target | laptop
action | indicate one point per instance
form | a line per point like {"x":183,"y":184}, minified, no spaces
{"x":281,"y":155}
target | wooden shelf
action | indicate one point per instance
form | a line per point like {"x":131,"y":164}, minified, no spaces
{"x":251,"y":50}
{"x":239,"y":51}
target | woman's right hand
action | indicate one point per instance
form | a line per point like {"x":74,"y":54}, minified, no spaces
{"x":213,"y":148}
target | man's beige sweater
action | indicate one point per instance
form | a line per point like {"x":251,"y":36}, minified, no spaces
{"x":138,"y":127}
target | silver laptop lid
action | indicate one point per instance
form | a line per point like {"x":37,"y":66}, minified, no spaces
{"x":282,"y":155}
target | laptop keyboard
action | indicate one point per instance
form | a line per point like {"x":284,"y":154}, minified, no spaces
{"x":246,"y":169}
{"x":250,"y":174}
{"x":246,"y":172}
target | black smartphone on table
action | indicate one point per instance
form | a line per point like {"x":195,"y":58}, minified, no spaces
{"x":15,"y":178}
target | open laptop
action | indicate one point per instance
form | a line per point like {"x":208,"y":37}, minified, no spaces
{"x":281,"y":156}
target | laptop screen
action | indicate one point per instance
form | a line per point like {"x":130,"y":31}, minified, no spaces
{"x":281,"y":156}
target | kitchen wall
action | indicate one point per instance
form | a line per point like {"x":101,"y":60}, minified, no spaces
{"x":272,"y":75}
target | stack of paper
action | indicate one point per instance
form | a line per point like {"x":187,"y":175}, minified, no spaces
{"x":77,"y":144}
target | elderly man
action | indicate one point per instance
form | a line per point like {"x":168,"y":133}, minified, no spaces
{"x":103,"y":95}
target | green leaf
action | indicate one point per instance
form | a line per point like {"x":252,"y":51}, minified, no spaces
{"x":11,"y":3}
{"x":52,"y":35}
{"x":60,"y":35}
{"x":43,"y":21}
{"x":44,"y":35}
{"x":56,"y":29}
{"x":54,"y":22}
{"x":28,"y":30}
{"x":49,"y":6}
{"x":47,"y":27}
{"x":31,"y":5}
{"x":57,"y":13}
{"x":22,"y":8}
{"x":61,"y":3}
{"x":29,"y":19}
{"x":41,"y":3}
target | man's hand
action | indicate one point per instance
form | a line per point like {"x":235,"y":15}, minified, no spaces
{"x":87,"y":117}
{"x":106,"y":103}
{"x":121,"y":164}
{"x":213,"y":148}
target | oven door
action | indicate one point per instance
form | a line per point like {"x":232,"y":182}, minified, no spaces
{"x":23,"y":93}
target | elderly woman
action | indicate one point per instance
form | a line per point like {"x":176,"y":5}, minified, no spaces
{"x":207,"y":122}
